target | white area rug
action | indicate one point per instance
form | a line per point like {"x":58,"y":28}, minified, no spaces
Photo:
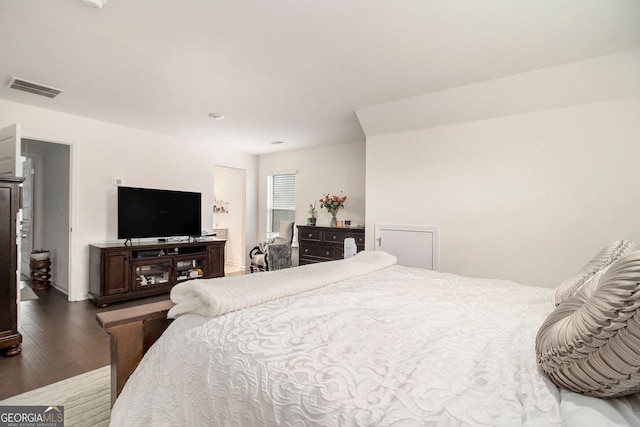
{"x":86,"y":398}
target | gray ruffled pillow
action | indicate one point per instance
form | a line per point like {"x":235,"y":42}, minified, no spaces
{"x":591,"y":342}
{"x":601,"y":261}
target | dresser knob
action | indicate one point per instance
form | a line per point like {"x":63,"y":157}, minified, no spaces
{"x":335,"y":237}
{"x":327,"y":253}
{"x":310,"y":235}
{"x":306,"y":250}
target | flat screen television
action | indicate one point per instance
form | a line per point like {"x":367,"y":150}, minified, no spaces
{"x":147,"y":212}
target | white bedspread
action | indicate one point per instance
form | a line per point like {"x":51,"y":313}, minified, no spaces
{"x":397,"y":347}
{"x":215,"y":297}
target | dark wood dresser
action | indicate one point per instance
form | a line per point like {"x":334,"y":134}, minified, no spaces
{"x":321,"y":244}
{"x":10,"y":200}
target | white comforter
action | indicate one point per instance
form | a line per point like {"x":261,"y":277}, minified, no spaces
{"x":396,"y":347}
{"x":220,"y":296}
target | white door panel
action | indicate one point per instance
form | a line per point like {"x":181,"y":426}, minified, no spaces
{"x":413,"y":245}
{"x":10,"y":151}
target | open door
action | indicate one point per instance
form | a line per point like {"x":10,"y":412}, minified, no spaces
{"x":10,"y":151}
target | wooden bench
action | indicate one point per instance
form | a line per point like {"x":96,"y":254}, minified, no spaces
{"x":133,"y":330}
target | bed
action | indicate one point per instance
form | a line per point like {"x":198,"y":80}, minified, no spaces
{"x":357,"y":342}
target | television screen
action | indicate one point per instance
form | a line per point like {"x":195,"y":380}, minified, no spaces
{"x":146,"y":212}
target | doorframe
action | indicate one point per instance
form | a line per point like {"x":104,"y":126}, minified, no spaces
{"x":72,"y":206}
{"x":241,"y":234}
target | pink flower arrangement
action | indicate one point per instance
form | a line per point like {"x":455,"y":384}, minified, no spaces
{"x":333,"y":203}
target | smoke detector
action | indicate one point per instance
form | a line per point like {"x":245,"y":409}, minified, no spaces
{"x":98,"y":4}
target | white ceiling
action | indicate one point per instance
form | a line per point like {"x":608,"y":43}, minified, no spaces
{"x":285,"y":70}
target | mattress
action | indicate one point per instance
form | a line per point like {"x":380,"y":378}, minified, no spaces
{"x":396,"y":346}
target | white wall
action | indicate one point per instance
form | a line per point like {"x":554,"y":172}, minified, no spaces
{"x":102,"y":151}
{"x":528,"y":197}
{"x":319,"y":171}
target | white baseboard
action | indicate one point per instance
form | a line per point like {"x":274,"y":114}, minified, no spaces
{"x":236,"y":266}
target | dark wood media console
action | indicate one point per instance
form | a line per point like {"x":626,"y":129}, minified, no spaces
{"x":120,"y":272}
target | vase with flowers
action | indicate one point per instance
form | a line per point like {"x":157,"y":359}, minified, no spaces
{"x":333,"y":204}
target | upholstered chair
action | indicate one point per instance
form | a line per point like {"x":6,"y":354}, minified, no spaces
{"x":275,"y":253}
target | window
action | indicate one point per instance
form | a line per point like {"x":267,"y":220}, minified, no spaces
{"x":281,"y":201}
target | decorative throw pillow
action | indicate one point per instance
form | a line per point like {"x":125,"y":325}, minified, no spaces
{"x":602,"y":260}
{"x":590,"y":343}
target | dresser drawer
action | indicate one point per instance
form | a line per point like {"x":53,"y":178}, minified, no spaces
{"x":310,"y":235}
{"x":321,"y":251}
{"x":332,"y":236}
{"x":359,"y":238}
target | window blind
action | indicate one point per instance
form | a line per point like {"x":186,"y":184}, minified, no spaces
{"x":283,"y":200}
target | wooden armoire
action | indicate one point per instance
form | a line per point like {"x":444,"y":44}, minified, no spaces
{"x":10,"y":200}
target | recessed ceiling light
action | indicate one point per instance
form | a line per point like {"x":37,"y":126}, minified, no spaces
{"x":276,"y":142}
{"x":98,"y":4}
{"x":216,"y":116}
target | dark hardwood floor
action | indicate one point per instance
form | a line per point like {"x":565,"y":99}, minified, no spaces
{"x":60,"y":339}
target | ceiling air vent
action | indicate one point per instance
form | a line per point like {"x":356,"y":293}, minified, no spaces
{"x":35,"y":88}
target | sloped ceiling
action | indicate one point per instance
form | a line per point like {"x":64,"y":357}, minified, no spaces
{"x":286,"y":70}
{"x":604,"y":78}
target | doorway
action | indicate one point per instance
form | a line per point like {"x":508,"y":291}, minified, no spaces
{"x":229,"y":191}
{"x":46,"y":219}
